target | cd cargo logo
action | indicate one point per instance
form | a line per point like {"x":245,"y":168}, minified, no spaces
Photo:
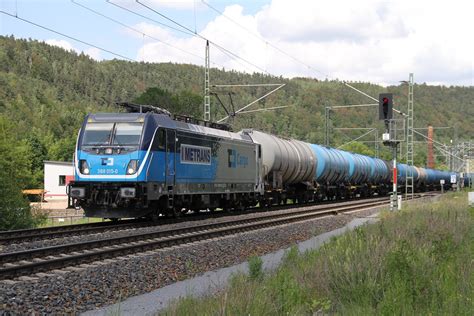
{"x":195,"y":155}
{"x":235,"y":159}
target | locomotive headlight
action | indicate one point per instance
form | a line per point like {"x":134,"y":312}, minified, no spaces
{"x":132,"y":166}
{"x":84,"y":167}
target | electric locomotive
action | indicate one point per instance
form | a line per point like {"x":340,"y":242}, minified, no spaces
{"x":147,"y":164}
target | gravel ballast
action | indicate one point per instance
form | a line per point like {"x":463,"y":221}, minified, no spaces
{"x":110,"y":233}
{"x":75,"y":290}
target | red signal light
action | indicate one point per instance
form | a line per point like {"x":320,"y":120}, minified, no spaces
{"x":385,"y":106}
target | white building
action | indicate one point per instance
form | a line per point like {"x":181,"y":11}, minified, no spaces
{"x":57,"y":174}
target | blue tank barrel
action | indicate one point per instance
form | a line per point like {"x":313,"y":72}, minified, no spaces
{"x":340,"y":167}
{"x":364,"y":168}
{"x":382,"y":172}
{"x":323,"y":160}
{"x":401,"y":172}
{"x":334,"y":166}
{"x":349,"y":163}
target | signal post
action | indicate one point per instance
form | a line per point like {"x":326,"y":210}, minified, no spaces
{"x":389,"y":139}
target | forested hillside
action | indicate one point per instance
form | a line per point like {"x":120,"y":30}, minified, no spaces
{"x":45,"y":92}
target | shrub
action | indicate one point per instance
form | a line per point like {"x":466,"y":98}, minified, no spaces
{"x":255,"y":268}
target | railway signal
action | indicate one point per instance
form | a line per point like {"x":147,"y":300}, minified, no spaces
{"x":385,"y":106}
{"x":386,"y":114}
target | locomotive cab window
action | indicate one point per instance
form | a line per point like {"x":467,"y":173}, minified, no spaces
{"x":161,"y":139}
{"x":98,"y":134}
{"x":110,"y":133}
{"x":127,"y":133}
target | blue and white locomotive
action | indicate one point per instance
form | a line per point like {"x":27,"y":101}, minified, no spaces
{"x":147,"y":164}
{"x":137,"y":164}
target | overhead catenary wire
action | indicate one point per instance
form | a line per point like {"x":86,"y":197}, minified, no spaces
{"x":284,"y":52}
{"x":149,"y":19}
{"x":203,"y":37}
{"x":263,"y":40}
{"x":134,"y":29}
{"x":67,"y":36}
{"x":231,"y":57}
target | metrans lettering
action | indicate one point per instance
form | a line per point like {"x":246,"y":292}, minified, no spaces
{"x":195,"y":154}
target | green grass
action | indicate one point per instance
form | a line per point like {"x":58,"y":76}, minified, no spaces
{"x":418,"y":261}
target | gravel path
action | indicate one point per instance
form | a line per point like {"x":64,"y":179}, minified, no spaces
{"x":75,"y":290}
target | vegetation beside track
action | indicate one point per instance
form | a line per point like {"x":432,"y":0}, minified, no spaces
{"x":69,"y":220}
{"x":418,"y":261}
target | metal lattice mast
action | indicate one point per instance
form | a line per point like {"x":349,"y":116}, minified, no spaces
{"x":376,"y":143}
{"x":327,"y":118}
{"x":409,"y":187}
{"x":207,"y":97}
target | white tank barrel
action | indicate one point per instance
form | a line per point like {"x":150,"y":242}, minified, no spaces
{"x":293,"y":159}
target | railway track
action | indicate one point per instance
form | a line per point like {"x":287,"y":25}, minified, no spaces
{"x":22,"y":235}
{"x":25,"y":235}
{"x":29,"y":262}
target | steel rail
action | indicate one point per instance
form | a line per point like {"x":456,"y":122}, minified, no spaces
{"x":112,"y":241}
{"x":22,"y":235}
{"x":29,"y":234}
{"x":114,"y":247}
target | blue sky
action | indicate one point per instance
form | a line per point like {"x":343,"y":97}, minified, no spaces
{"x":368,"y":40}
{"x":73,"y":20}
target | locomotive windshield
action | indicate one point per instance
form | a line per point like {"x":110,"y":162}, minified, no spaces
{"x":98,"y":134}
{"x":127,"y":133}
{"x":106,"y":134}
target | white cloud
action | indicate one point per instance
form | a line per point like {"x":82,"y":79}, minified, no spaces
{"x":173,"y":4}
{"x":93,"y":53}
{"x":371,"y":40}
{"x":151,"y":30}
{"x":60,"y":43}
{"x":309,"y":20}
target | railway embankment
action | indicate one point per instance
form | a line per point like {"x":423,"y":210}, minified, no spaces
{"x":417,"y":261}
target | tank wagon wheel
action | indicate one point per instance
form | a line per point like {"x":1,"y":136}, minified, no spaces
{"x":276,"y":200}
{"x":263,"y":204}
{"x":153,"y":216}
{"x":239,"y":207}
{"x":177,"y":212}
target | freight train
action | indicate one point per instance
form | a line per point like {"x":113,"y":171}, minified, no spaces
{"x":147,"y":164}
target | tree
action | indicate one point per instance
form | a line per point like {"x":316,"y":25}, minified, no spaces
{"x":38,"y":154}
{"x":156,"y":96}
{"x":358,"y":148}
{"x":15,"y":212}
{"x":187,"y":103}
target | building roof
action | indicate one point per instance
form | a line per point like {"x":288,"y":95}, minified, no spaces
{"x":61,"y":163}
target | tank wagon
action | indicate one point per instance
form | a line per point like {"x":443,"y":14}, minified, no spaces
{"x":147,"y":164}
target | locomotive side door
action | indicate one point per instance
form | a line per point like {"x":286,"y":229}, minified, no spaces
{"x":170,"y":173}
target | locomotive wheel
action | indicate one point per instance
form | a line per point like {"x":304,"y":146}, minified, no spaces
{"x":176,"y":213}
{"x":153,"y":216}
